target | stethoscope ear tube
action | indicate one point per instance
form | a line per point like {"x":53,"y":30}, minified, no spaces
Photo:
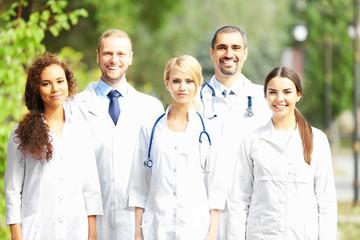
{"x":148,"y":162}
{"x":248,"y":111}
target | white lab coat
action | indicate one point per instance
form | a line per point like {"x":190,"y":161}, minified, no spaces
{"x":114,"y":148}
{"x":232,"y":125}
{"x":277,"y":195}
{"x":232,"y":122}
{"x":173,"y":192}
{"x":52,"y":199}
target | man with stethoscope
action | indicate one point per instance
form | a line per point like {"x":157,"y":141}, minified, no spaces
{"x":233,"y":103}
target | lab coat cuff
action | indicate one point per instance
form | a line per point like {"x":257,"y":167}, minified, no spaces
{"x":13,"y":216}
{"x":218,"y":201}
{"x":137,"y":202}
{"x":94,"y":207}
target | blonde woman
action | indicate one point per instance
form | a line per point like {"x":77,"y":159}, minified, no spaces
{"x":170,"y":173}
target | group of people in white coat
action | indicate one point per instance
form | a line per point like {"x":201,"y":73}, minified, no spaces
{"x":228,"y":159}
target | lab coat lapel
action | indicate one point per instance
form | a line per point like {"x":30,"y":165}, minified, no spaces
{"x":128,"y":112}
{"x":89,"y":102}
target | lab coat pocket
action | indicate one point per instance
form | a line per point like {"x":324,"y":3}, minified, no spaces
{"x":147,"y":226}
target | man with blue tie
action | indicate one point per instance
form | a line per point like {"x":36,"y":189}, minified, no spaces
{"x":115,"y":111}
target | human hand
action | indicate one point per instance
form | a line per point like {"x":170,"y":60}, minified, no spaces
{"x":210,"y":236}
{"x":138,"y":235}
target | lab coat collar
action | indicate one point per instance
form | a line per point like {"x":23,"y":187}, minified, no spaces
{"x":193,"y":117}
{"x":88,"y":98}
{"x":103,"y":88}
{"x":243,"y":84}
{"x":267,"y":132}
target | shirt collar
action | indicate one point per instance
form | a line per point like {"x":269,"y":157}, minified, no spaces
{"x":236,"y":87}
{"x":103,"y":88}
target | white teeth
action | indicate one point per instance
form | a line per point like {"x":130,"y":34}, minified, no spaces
{"x":227,"y":62}
{"x":114,"y":68}
{"x":279,"y":106}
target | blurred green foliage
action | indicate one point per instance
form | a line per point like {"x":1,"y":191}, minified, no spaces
{"x":327,"y":22}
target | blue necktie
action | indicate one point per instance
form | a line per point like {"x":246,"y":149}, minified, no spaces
{"x":114,"y":108}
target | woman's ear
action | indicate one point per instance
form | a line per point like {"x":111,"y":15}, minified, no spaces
{"x":299,"y":97}
{"x":167,"y":84}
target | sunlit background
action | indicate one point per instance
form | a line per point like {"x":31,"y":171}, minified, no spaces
{"x":317,"y":38}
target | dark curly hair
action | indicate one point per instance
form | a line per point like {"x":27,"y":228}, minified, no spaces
{"x":32,"y":133}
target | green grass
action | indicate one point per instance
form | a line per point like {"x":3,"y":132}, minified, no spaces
{"x":347,"y":229}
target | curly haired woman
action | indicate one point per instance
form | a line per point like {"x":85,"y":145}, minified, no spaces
{"x":47,"y":192}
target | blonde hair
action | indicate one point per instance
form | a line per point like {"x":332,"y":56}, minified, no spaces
{"x":113,"y":33}
{"x":188,"y":65}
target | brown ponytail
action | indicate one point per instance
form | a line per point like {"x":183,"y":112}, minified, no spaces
{"x":306,"y":135}
{"x":305,"y":129}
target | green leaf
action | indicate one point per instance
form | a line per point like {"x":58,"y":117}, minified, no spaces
{"x":45,"y":15}
{"x":34,"y":17}
{"x":60,"y":18}
{"x":82,"y":12}
{"x":54,"y":30}
{"x":73,"y":18}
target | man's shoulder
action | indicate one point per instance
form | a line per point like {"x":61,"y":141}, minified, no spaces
{"x":87,"y":93}
{"x":142,"y":97}
{"x":253,"y":88}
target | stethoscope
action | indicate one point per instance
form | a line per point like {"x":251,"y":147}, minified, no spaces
{"x":248,"y":111}
{"x":149,"y":163}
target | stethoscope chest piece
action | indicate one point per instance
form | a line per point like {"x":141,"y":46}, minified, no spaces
{"x":248,"y":111}
{"x":148,"y":163}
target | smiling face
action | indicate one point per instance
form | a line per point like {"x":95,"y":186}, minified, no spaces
{"x":281,"y":95}
{"x":53,"y":86}
{"x":181,"y":87}
{"x":114,"y":57}
{"x":229,"y":54}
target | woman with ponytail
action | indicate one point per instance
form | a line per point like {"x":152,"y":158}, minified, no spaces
{"x":283,"y":185}
{"x":48,"y":194}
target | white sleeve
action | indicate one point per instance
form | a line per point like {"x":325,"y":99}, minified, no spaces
{"x":325,"y":189}
{"x":91,"y":184}
{"x":217,"y":184}
{"x":140,"y":174}
{"x":14,"y":177}
{"x":241,"y":191}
